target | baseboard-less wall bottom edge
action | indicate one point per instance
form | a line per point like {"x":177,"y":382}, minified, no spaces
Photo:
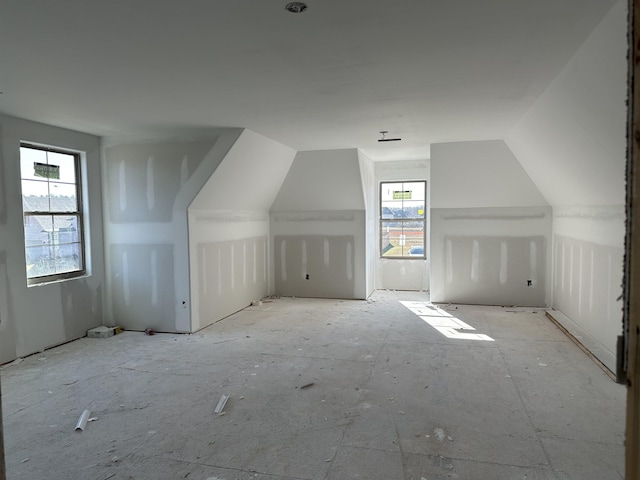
{"x":555,"y":316}
{"x":49,"y":347}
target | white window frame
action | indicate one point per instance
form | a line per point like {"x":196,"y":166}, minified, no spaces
{"x":76,"y":212}
{"x":384,"y":222}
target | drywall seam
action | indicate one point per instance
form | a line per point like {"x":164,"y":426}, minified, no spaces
{"x":474,"y":245}
{"x":172,"y":232}
{"x":495,"y":217}
{"x":55,"y":301}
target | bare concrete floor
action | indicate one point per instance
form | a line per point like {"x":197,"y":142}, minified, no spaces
{"x":392,"y":398}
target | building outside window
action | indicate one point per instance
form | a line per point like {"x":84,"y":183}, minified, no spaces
{"x":403,"y":219}
{"x":51,"y":206}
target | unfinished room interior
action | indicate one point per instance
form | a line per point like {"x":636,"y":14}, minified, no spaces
{"x":316,"y":240}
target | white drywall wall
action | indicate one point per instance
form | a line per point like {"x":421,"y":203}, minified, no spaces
{"x":488,"y":255}
{"x":490,"y":227}
{"x":249,"y":177}
{"x":322,"y":180}
{"x":572,"y":142}
{"x":392,"y":273}
{"x":149,"y":184}
{"x":318,"y":227}
{"x":480,"y":174}
{"x":588,"y":254}
{"x":573,"y":145}
{"x":367,"y":171}
{"x":37,"y":317}
{"x":229,"y":228}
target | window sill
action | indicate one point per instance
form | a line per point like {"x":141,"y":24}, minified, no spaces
{"x":58,"y":280}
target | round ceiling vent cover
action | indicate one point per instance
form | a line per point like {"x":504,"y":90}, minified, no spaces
{"x":296,"y":7}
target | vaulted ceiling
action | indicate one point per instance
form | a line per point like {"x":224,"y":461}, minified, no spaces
{"x":331,"y":77}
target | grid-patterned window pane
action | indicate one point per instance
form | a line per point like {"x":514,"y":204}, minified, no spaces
{"x":403,"y":219}
{"x":52,"y":215}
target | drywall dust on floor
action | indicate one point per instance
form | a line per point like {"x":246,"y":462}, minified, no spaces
{"x":387,"y":397}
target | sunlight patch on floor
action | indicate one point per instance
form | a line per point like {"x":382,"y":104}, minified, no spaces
{"x":444,"y":322}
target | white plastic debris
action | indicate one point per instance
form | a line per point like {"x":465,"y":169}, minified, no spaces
{"x":221,"y":403}
{"x":82,"y":421}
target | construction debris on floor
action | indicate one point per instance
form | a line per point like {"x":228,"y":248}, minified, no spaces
{"x":320,"y":389}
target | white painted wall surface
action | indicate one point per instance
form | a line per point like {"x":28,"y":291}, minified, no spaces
{"x":401,"y":274}
{"x":573,"y":145}
{"x":148,"y":185}
{"x":318,"y":227}
{"x":34,"y":318}
{"x":368,"y":174}
{"x":490,"y":227}
{"x":229,"y":228}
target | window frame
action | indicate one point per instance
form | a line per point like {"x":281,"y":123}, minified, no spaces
{"x":381,"y":222}
{"x":78,"y":213}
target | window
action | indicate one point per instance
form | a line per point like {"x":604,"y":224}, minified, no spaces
{"x":51,"y":203}
{"x":403,"y":219}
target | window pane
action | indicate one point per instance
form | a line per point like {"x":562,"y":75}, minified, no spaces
{"x":68,"y":258}
{"x":40,"y":261}
{"x":391,"y":210}
{"x":63,"y":197}
{"x":54,"y":251}
{"x":403,"y":239}
{"x":415,"y":190}
{"x":67,"y":164}
{"x":402,"y":200}
{"x":39,"y":248}
{"x":66,"y":228}
{"x":68,"y":248}
{"x":413,"y":209}
{"x":414,"y":235}
{"x":38,"y":230}
{"x":53,"y":242}
{"x":35,"y":196}
{"x":387,"y":192}
{"x":28,"y":157}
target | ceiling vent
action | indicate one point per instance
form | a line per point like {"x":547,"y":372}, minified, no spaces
{"x":296,"y":7}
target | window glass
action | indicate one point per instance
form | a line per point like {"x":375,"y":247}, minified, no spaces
{"x":403,"y":219}
{"x":52,"y":218}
